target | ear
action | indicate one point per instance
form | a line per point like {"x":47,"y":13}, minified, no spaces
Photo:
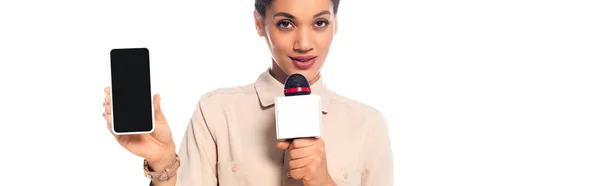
{"x":258,"y":23}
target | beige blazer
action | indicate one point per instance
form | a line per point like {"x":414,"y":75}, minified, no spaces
{"x":230,"y":139}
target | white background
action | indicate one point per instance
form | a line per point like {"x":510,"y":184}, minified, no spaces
{"x":475,"y":92}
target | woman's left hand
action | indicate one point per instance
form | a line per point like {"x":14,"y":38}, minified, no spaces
{"x":307,"y":161}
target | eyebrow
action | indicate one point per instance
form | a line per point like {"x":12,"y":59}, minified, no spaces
{"x":290,"y":16}
{"x":322,"y":13}
{"x":284,"y":15}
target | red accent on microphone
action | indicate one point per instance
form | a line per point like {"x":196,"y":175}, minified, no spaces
{"x":296,"y":89}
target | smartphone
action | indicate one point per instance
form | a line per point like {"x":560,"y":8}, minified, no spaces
{"x":131,"y":93}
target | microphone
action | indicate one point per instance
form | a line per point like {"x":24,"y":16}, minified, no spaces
{"x":298,"y":113}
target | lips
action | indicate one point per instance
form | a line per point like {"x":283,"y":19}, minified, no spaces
{"x":303,"y":62}
{"x":303,"y":58}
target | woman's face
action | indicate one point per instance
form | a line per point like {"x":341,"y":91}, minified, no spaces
{"x":299,"y":34}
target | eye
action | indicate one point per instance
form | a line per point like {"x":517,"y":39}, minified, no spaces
{"x":284,"y":24}
{"x":322,"y":23}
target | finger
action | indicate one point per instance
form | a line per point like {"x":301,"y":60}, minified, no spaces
{"x":107,"y":90}
{"x":303,"y":142}
{"x":283,"y":145}
{"x":108,"y":122}
{"x":158,"y":114}
{"x":108,"y":118}
{"x":298,"y":174}
{"x":108,"y":109}
{"x":298,"y":153}
{"x":299,"y":163}
{"x":107,"y":100}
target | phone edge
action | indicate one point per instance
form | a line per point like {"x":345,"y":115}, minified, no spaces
{"x":112,"y":119}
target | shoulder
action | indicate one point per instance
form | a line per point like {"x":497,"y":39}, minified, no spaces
{"x":353,"y":105}
{"x":230,"y":91}
{"x":223,"y":94}
{"x":365,"y":114}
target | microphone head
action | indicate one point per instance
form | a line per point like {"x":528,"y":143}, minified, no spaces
{"x":296,"y":84}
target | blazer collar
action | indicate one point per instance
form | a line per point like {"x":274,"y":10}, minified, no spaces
{"x":268,"y":88}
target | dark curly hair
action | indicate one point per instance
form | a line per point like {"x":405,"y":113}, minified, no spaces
{"x":261,"y":5}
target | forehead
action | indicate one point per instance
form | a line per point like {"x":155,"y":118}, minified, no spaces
{"x":300,"y":8}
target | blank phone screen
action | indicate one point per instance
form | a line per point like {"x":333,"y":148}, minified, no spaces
{"x":131,"y":93}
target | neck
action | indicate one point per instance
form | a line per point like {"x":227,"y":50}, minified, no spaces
{"x":281,"y":76}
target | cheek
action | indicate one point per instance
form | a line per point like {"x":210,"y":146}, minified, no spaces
{"x":279,"y":43}
{"x":324,"y":42}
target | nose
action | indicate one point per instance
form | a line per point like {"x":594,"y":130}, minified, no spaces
{"x":303,"y":41}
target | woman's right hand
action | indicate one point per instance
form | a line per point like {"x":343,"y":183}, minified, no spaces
{"x":157,"y":147}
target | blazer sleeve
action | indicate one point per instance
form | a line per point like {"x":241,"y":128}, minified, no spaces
{"x":198,"y":150}
{"x":378,"y":169}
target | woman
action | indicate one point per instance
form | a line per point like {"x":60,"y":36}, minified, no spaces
{"x":230,"y":139}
